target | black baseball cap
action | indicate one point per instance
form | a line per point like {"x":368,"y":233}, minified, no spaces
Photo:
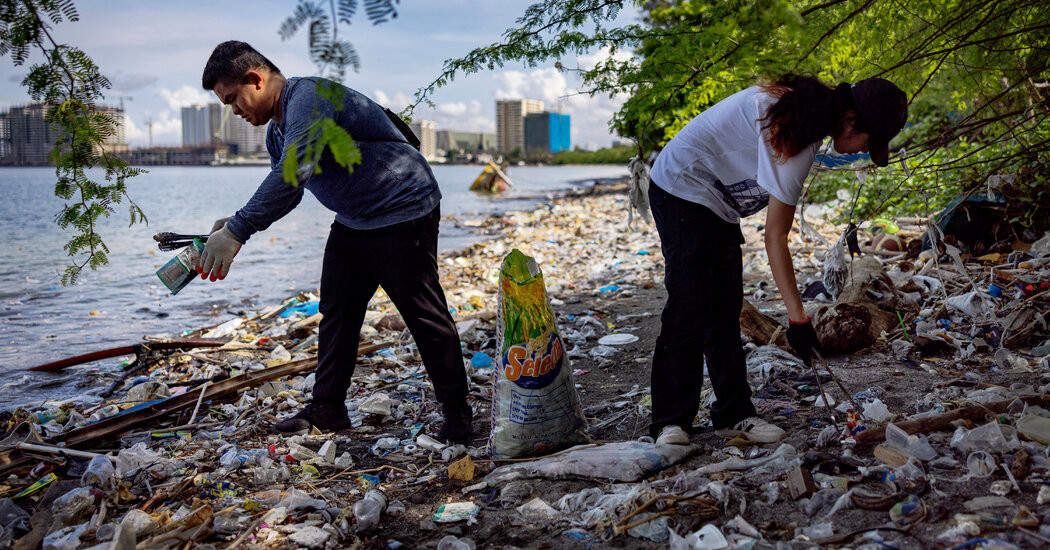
{"x":883,"y":109}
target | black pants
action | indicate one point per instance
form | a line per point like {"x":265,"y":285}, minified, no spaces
{"x":703,"y":276}
{"x":402,"y":259}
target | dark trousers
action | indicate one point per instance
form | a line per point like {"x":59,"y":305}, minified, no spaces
{"x":403,"y":260}
{"x":701,"y":320}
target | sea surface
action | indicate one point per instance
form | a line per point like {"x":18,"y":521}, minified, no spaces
{"x":42,"y":321}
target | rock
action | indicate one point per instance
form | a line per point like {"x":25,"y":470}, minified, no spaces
{"x":140,"y":523}
{"x":327,"y":452}
{"x":862,"y":311}
{"x":391,"y":322}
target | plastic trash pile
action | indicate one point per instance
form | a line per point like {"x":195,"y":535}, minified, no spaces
{"x":962,"y":462}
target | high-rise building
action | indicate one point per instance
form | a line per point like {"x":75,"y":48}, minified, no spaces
{"x":28,"y":138}
{"x":214,"y":124}
{"x":547,"y":132}
{"x":425,"y":130}
{"x":510,"y":122}
{"x":196,"y":126}
{"x":466,"y":142}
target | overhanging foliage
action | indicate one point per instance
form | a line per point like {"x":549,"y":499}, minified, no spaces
{"x":975,"y":70}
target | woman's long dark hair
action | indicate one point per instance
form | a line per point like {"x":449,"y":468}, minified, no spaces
{"x":806,"y":110}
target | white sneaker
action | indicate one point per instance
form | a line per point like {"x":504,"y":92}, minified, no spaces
{"x":673,"y":435}
{"x":755,"y":429}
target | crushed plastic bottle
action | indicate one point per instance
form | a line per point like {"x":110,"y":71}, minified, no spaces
{"x":74,"y":505}
{"x":368,"y":509}
{"x":234,"y":458}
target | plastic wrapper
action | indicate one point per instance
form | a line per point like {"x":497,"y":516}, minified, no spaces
{"x":65,"y":539}
{"x":535,"y":406}
{"x":780,"y":461}
{"x":12,"y":516}
{"x":621,"y":461}
{"x":709,"y":537}
{"x":450,"y":542}
{"x":292,"y":499}
{"x":456,"y":511}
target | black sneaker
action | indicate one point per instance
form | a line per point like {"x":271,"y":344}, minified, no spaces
{"x":326,"y":416}
{"x":457,"y":427}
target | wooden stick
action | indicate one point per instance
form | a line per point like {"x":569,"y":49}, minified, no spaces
{"x":837,"y":381}
{"x":58,"y":450}
{"x":204,"y":388}
{"x":944,"y":420}
{"x":251,"y":529}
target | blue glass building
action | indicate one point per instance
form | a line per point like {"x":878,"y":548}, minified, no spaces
{"x":548,"y":132}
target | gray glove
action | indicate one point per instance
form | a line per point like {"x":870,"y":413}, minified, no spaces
{"x":218,"y":225}
{"x":218,"y":253}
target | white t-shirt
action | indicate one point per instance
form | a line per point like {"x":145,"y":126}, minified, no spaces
{"x":722,"y":160}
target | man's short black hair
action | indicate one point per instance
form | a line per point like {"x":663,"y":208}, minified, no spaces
{"x":231,"y":60}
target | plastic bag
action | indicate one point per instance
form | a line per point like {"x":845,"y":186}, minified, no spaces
{"x":138,"y":456}
{"x":292,"y":499}
{"x":622,"y":461}
{"x":780,"y":461}
{"x":535,"y":406}
{"x":65,"y":539}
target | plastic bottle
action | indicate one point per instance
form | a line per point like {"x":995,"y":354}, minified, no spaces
{"x":104,"y":412}
{"x":368,"y":509}
{"x":234,"y":458}
{"x":182,"y":269}
{"x":43,"y":417}
{"x":98,"y":471}
{"x":72,"y":506}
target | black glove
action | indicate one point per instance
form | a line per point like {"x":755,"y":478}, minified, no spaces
{"x":803,"y":340}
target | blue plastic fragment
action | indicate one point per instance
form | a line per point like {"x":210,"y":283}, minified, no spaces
{"x":306,"y":308}
{"x":480,"y":360}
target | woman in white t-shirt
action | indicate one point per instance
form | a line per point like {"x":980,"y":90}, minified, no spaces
{"x":750,"y":151}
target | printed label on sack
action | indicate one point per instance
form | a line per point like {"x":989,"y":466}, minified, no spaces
{"x":531,"y":366}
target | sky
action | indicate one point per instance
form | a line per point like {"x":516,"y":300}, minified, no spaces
{"x":154,"y":51}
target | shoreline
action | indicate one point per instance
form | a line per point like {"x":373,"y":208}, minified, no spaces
{"x":487,"y":227}
{"x":601,"y":278}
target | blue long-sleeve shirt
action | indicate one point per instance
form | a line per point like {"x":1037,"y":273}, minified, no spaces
{"x":392,"y":184}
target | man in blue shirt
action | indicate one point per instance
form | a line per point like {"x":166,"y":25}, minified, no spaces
{"x":385,"y":229}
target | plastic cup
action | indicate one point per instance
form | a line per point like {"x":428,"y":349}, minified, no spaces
{"x":981,"y":463}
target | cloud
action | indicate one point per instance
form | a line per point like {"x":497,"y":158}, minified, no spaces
{"x":395,"y":103}
{"x":589,"y":61}
{"x":186,"y":96}
{"x":16,"y":78}
{"x":131,"y":82}
{"x":461,"y":116}
{"x":590,"y":114}
{"x":167,"y":131}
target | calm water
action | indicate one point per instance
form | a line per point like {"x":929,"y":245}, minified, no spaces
{"x":42,"y":321}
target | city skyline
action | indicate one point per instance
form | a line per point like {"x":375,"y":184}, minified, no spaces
{"x":155,"y":68}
